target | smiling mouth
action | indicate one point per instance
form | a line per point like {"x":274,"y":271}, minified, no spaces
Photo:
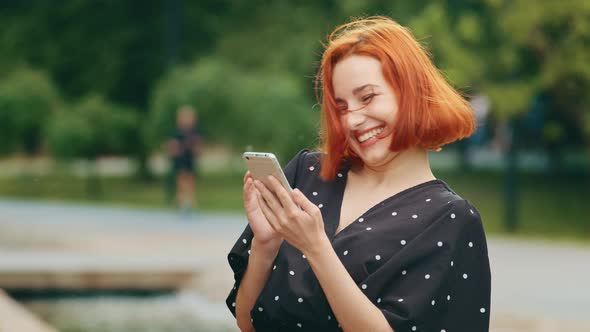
{"x":367,"y":136}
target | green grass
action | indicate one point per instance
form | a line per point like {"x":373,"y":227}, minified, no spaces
{"x":215,"y":192}
{"x":550,"y":207}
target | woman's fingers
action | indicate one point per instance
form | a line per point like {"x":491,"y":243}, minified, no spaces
{"x":305,"y":204}
{"x":272,"y":202}
{"x":286,"y":201}
{"x":247,"y":187}
{"x":267,"y":211}
{"x":247,"y":176}
{"x":268,"y":196}
{"x":251,"y":191}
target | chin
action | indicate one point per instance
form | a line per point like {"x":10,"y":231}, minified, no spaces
{"x":377,"y":154}
{"x":376,"y":159}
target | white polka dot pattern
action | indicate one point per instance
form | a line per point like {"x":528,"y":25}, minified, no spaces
{"x":435,"y":241}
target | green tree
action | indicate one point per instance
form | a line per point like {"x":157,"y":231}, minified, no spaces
{"x":243,"y":109}
{"x":118,"y":49}
{"x":115,"y":48}
{"x":514,"y":50}
{"x":90,"y":129}
{"x":27,"y":100}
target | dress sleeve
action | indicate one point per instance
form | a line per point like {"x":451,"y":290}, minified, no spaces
{"x":440,"y":281}
{"x":469,"y":304}
{"x":239,"y":254}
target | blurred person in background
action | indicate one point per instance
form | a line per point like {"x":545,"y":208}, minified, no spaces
{"x":369,"y":239}
{"x":480,"y":104}
{"x":184,"y":148}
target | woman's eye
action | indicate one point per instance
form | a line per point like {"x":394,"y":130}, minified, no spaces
{"x":368,"y":98}
{"x":342,"y":110}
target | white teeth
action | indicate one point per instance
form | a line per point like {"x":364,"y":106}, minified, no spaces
{"x":369,"y":135}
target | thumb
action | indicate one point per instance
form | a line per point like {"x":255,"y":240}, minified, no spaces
{"x":249,"y":190}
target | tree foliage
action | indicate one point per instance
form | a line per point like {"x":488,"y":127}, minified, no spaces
{"x":27,"y":100}
{"x":240,"y":108}
{"x":91,"y":128}
{"x":246,"y":64}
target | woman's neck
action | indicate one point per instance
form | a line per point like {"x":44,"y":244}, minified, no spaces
{"x":406,"y":169}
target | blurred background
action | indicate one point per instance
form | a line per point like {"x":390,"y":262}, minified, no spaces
{"x":93,"y":235}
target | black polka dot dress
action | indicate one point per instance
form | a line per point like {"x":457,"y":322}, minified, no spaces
{"x":420,"y":256}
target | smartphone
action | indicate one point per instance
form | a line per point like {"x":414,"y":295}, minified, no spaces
{"x":263,"y":164}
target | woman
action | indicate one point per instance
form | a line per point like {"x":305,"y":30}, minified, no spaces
{"x":369,"y":240}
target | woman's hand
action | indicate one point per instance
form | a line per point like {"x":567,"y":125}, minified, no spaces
{"x":292,"y":215}
{"x":263,"y":232}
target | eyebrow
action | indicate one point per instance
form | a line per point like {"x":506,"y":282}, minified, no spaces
{"x":361,"y":88}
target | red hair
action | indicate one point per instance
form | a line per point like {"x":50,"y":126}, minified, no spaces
{"x":431,"y":113}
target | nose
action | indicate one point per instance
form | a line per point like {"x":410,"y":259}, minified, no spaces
{"x":355,"y":119}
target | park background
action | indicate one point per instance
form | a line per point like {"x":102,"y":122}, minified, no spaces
{"x":89,"y":92}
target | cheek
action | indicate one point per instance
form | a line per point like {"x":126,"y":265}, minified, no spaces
{"x":384,"y":105}
{"x":387,"y":112}
{"x":344,"y":125}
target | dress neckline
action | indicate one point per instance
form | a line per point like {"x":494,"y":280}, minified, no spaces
{"x":397,"y":195}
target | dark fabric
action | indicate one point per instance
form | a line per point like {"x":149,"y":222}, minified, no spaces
{"x":420,"y":256}
{"x":185,"y":160}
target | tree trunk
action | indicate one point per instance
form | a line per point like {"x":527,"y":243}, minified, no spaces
{"x":93,"y":184}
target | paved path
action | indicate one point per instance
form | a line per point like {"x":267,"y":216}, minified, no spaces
{"x":538,"y":280}
{"x":14,"y":318}
{"x":541,"y":279}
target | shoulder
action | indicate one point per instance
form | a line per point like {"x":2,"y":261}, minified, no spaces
{"x":446,"y":200}
{"x":311,"y":160}
{"x":462,"y":219}
{"x":465,"y":212}
{"x":444,"y":210}
{"x":303,"y":170}
{"x":305,"y":159}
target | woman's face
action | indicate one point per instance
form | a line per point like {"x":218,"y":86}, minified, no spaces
{"x":367,"y":107}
